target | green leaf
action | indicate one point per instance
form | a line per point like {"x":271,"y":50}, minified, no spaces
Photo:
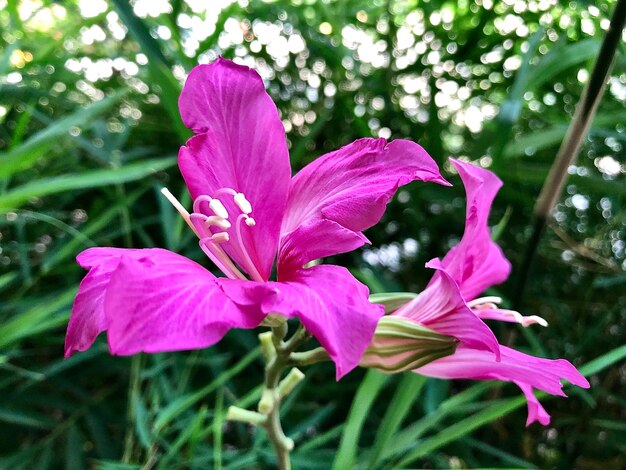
{"x":88,"y":179}
{"x":364,"y":399}
{"x":604,"y":361}
{"x":158,"y":65}
{"x":561,"y":58}
{"x":37,"y":319}
{"x":462,"y":428}
{"x":407,"y":392}
{"x":185,"y":402}
{"x":24,"y":155}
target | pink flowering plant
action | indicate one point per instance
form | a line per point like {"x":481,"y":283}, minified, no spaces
{"x":449,"y":315}
{"x":264,"y":230}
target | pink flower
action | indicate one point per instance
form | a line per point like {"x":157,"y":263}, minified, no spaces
{"x":449,"y":306}
{"x":247,"y":211}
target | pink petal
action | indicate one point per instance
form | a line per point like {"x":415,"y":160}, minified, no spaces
{"x":536,"y":412}
{"x":166,"y":302}
{"x":315,"y":240}
{"x":477,"y":262}
{"x":350,"y":187}
{"x":526,"y":371}
{"x":441,"y":308}
{"x":329,"y":302}
{"x":241,"y":146}
{"x":88,"y":320}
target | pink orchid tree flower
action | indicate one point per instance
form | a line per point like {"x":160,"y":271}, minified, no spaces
{"x":450,"y":306}
{"x":248,"y":211}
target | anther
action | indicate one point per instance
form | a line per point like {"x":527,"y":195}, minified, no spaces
{"x":218,"y":208}
{"x":220,"y":237}
{"x":484,"y":300}
{"x":242,"y":203}
{"x":217,"y":221}
{"x":250,"y":222}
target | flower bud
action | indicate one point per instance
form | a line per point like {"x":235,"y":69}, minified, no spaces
{"x":400,"y":344}
{"x":392,"y":301}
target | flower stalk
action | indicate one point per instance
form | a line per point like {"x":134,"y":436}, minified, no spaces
{"x":279,"y":355}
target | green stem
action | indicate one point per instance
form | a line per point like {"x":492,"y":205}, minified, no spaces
{"x":279,"y":354}
{"x":133,"y":396}
{"x":269,"y":404}
{"x":576,"y":133}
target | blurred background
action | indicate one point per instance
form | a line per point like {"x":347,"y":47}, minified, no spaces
{"x":89,"y":133}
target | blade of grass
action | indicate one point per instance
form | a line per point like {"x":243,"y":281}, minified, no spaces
{"x":22,"y":156}
{"x":364,"y":399}
{"x":185,"y":402}
{"x":37,"y":319}
{"x":407,"y":391}
{"x":85,"y":180}
{"x":504,"y":407}
{"x":158,"y":65}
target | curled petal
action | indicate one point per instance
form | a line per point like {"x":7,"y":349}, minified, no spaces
{"x":477,"y":262}
{"x":242,"y":146}
{"x":526,"y":371}
{"x":441,"y":308}
{"x":317,"y":239}
{"x":536,"y":412}
{"x":350,"y":187}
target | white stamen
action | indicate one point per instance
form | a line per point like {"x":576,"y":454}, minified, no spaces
{"x":484,"y":300}
{"x":218,"y":208}
{"x":216,"y":221}
{"x":250,"y":222}
{"x":179,"y":207}
{"x":243,"y":203}
{"x":220,"y":237}
{"x":525,"y":320}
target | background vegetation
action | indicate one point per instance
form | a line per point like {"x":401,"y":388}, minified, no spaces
{"x":89,"y":132}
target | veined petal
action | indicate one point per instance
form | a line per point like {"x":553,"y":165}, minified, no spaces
{"x":329,"y":302}
{"x":166,"y":302}
{"x":88,"y":320}
{"x":351,"y":187}
{"x":317,"y":239}
{"x":526,"y":371}
{"x":242,"y":146}
{"x":441,"y":308}
{"x":477,"y":262}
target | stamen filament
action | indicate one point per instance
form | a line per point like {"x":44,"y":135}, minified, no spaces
{"x":199,"y":200}
{"x":217,"y":255}
{"x":250,"y":267}
{"x":201,"y":224}
{"x":179,"y":207}
{"x":221,"y":191}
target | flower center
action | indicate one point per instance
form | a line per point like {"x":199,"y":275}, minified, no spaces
{"x":219,"y":232}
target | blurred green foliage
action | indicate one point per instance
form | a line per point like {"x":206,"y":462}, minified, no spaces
{"x":89,"y":131}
